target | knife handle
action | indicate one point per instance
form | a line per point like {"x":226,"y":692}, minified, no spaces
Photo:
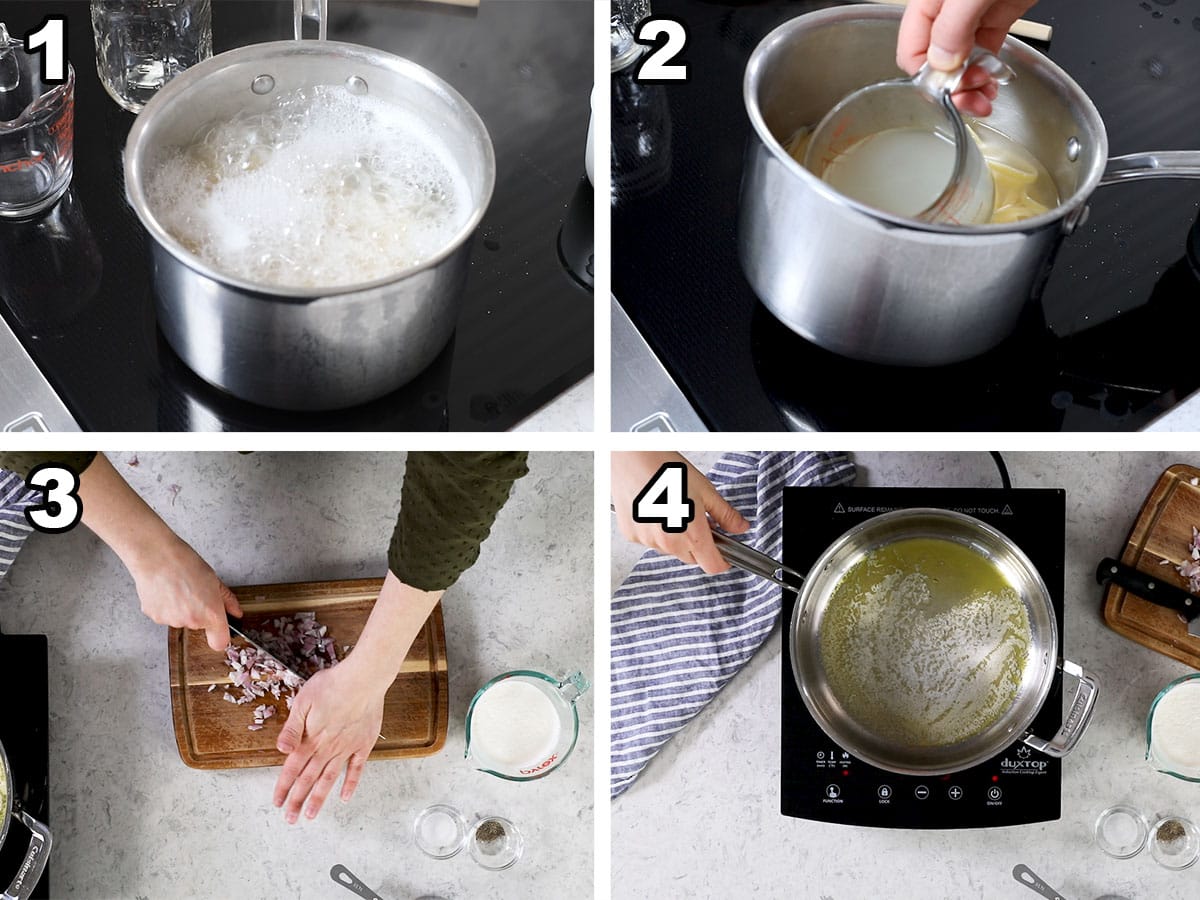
{"x":1148,"y":587}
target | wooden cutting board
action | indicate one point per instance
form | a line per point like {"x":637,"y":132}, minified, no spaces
{"x":1163,"y":530}
{"x":212,"y":732}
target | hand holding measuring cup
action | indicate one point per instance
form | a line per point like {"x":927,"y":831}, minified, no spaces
{"x":943,"y":33}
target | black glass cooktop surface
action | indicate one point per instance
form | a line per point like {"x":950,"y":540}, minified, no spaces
{"x":819,"y":780}
{"x":24,"y":733}
{"x":1108,"y":347}
{"x":75,"y":287}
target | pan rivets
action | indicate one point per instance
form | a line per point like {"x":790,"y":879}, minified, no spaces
{"x":263,"y":84}
{"x":356,"y":85}
{"x":1073,"y":148}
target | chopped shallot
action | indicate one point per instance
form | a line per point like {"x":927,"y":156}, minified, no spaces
{"x":1190,"y":567}
{"x":299,"y":642}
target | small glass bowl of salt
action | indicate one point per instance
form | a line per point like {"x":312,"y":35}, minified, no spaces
{"x":440,"y":831}
{"x":1121,"y":831}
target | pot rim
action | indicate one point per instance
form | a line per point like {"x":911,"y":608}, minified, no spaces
{"x":1012,"y":48}
{"x":1020,"y":727}
{"x":175,"y":91}
{"x":6,"y":809}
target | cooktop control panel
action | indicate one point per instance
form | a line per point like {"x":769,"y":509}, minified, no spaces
{"x":821,"y":781}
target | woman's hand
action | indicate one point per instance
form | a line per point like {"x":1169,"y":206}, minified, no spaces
{"x":632,"y":471}
{"x":333,"y":725}
{"x":336,"y":716}
{"x":178,"y":588}
{"x":175,"y":586}
{"x":944,"y":32}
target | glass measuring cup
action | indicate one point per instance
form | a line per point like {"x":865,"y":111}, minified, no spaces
{"x":930,"y":168}
{"x":541,"y":707}
{"x":1156,"y":754}
{"x":37,"y":126}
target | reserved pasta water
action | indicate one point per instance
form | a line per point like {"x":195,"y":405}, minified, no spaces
{"x":325,"y":189}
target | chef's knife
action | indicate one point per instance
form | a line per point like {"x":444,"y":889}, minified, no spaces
{"x":1150,"y":588}
{"x":237,"y":629}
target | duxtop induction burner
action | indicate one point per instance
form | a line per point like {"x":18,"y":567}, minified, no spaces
{"x":75,"y":283}
{"x":819,"y":780}
{"x":24,"y":726}
{"x":1097,"y":353}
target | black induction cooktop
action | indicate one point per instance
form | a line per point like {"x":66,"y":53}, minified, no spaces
{"x":818,"y":779}
{"x":74,"y":285}
{"x":1106,"y":349}
{"x":24,"y":731}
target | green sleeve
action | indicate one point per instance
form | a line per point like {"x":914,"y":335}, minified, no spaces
{"x":447,"y":508}
{"x":24,"y":461}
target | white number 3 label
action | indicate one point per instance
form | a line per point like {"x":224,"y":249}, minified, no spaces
{"x":668,"y":37}
{"x":664,"y":501}
{"x":61,"y":508}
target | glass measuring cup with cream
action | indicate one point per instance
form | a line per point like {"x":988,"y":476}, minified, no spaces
{"x":902,"y":147}
{"x":523,"y":725}
{"x":1172,"y":729}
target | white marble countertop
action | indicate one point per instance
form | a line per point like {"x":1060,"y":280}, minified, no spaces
{"x":704,"y":821}
{"x":572,"y":410}
{"x":131,"y":820}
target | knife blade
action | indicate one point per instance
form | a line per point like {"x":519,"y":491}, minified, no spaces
{"x":237,"y":629}
{"x":1153,"y":589}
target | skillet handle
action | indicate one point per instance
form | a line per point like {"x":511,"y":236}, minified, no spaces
{"x":1152,"y":164}
{"x":35,"y":860}
{"x":1077,"y":719}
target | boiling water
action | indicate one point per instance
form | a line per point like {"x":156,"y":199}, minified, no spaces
{"x":325,"y":189}
{"x":925,"y":642}
{"x":903,"y":171}
{"x":515,"y":725}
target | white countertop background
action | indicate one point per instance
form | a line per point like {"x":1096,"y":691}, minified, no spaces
{"x":703,"y":820}
{"x":131,"y":820}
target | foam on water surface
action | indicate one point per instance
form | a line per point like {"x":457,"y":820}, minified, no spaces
{"x":325,"y":189}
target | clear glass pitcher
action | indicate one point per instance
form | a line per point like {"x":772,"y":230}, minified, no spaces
{"x":523,"y":725}
{"x":1159,"y":753}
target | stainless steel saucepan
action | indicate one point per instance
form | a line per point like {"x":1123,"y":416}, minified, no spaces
{"x":876,"y":287}
{"x":293,"y":348}
{"x":1035,"y":680}
{"x":38,"y":853}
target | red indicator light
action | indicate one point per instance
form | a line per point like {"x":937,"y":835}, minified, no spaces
{"x":845,"y":771}
{"x":995,"y":778}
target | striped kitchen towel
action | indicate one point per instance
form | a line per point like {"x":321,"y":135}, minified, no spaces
{"x":14,"y":527}
{"x":678,"y":635}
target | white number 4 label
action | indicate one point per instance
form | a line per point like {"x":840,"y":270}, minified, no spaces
{"x":664,"y":500}
{"x":61,"y":508}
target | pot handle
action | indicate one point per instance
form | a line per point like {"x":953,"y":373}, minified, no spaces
{"x":1152,"y":164}
{"x":1077,"y":719}
{"x":313,"y":10}
{"x":34,"y":864}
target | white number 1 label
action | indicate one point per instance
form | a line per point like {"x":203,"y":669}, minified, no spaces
{"x":61,"y":508}
{"x":51,"y":39}
{"x":664,"y":500}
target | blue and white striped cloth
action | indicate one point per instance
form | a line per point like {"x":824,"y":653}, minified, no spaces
{"x":678,"y":635}
{"x":14,"y":527}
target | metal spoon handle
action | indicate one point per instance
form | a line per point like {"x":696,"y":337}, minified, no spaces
{"x":351,"y":882}
{"x":1026,"y":876}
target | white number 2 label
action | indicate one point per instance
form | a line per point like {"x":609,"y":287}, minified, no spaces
{"x":51,"y":39}
{"x":668,"y":37}
{"x":664,"y":500}
{"x":61,"y":508}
